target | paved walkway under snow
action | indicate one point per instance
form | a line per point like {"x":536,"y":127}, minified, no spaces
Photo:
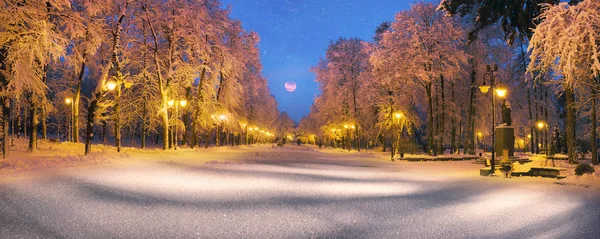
{"x":292,"y":192}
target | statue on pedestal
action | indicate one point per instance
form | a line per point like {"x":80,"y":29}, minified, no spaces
{"x":506,"y":119}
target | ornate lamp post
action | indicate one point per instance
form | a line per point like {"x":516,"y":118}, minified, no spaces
{"x":501,"y":91}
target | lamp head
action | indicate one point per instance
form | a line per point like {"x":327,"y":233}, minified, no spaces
{"x":484,"y":88}
{"x":540,"y":125}
{"x":501,"y":91}
{"x":183,"y":103}
{"x":171,"y":103}
{"x":111,"y":84}
{"x":68,"y":101}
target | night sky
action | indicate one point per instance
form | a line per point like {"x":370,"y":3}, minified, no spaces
{"x":295,"y":35}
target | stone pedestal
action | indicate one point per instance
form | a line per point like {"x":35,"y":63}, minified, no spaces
{"x":505,"y":139}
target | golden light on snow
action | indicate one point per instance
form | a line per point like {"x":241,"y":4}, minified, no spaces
{"x":290,"y":86}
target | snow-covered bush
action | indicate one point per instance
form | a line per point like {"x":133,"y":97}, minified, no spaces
{"x":583,"y":169}
{"x":506,"y":166}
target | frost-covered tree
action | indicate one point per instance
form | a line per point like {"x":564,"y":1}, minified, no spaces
{"x":567,"y":41}
{"x":343,"y":78}
{"x":516,"y":17}
{"x":30,"y":38}
{"x":424,"y":48}
{"x":86,"y":29}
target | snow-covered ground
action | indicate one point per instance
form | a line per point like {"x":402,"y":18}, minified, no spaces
{"x":290,"y":192}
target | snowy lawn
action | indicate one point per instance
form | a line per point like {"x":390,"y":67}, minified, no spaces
{"x":290,"y":192}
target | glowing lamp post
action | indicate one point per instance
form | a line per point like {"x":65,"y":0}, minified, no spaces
{"x":220,"y":119}
{"x":177,"y":103}
{"x":501,"y":92}
{"x":396,"y":116}
{"x":69,"y":101}
{"x":478,"y":140}
{"x":115,"y":84}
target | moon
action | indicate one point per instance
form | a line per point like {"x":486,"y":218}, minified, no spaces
{"x":290,"y":86}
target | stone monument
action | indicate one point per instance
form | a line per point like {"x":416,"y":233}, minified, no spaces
{"x":505,"y":133}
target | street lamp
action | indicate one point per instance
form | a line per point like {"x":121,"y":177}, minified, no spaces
{"x":111,"y":84}
{"x":115,"y":83}
{"x":177,"y":103}
{"x":220,"y":118}
{"x":478,"y":141}
{"x":501,"y":91}
{"x":542,"y":126}
{"x":69,"y":101}
{"x":396,"y":116}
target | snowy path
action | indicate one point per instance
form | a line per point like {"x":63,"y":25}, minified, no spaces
{"x":292,"y":193}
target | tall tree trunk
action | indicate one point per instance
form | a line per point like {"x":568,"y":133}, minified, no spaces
{"x":442,"y":116}
{"x":430,"y":121}
{"x":197,"y":109}
{"x":470,"y":131}
{"x":44,"y":114}
{"x":571,"y":124}
{"x":536,"y":140}
{"x":593,"y":134}
{"x":33,"y":124}
{"x":144,"y":124}
{"x":118,"y":119}
{"x":547,"y":130}
{"x":186,"y":117}
{"x":89,"y":129}
{"x":44,"y":125}
{"x":162,"y":86}
{"x":104,"y":132}
{"x":76,"y":102}
{"x":5,"y":118}
{"x":453,"y":126}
